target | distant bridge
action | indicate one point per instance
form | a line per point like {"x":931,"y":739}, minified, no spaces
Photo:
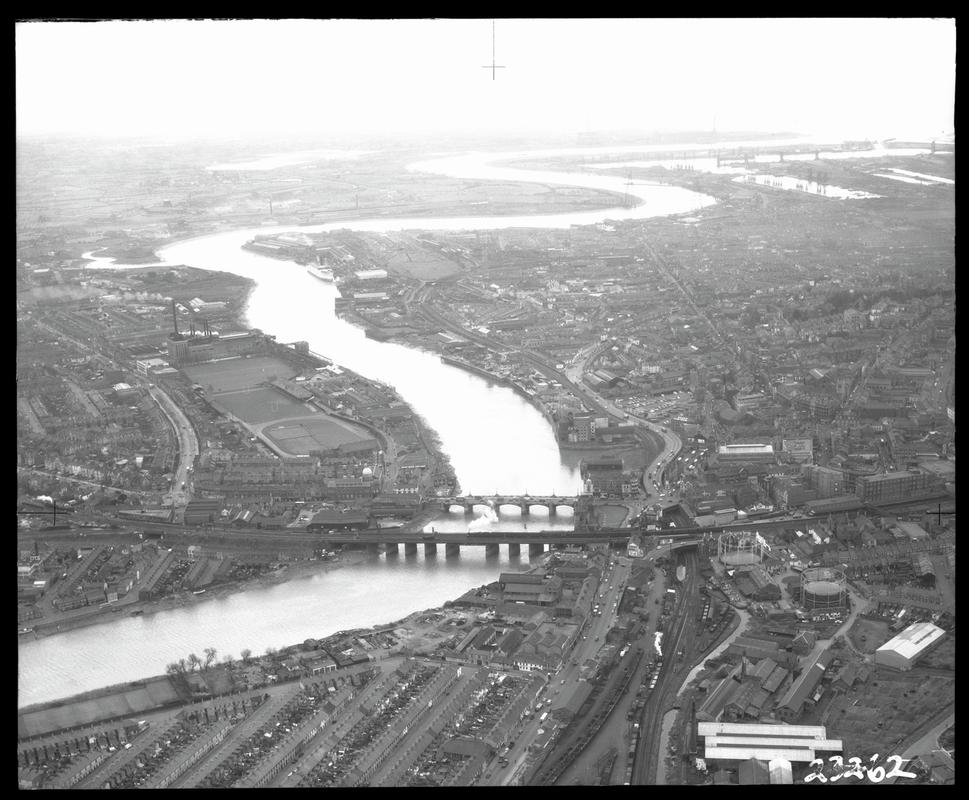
{"x":523,"y":502}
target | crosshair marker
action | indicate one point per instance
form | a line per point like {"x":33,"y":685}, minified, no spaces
{"x":493,"y":66}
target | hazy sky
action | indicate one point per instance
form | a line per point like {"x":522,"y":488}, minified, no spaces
{"x":853,"y":78}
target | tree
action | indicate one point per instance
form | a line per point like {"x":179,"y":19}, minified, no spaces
{"x":182,"y":666}
{"x":173,"y":669}
{"x":246,"y":655}
{"x":210,"y":654}
{"x":194,"y":661}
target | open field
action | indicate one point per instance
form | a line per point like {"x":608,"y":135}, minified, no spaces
{"x":874,"y":717}
{"x":613,"y":516}
{"x":867,"y":635}
{"x":300,"y":437}
{"x":237,"y":373}
{"x":261,"y":405}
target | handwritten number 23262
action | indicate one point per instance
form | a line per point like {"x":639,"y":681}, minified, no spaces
{"x":854,"y":769}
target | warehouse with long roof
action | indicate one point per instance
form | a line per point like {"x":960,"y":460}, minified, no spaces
{"x":726,"y":741}
{"x":909,"y":646}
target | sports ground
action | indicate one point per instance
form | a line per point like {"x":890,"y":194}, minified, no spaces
{"x":237,"y":373}
{"x":256,"y":406}
{"x":302,"y":436}
{"x":237,"y":386}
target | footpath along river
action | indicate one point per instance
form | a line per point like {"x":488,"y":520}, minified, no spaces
{"x":495,"y":440}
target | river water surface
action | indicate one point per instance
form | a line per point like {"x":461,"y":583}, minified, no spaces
{"x":496,"y":441}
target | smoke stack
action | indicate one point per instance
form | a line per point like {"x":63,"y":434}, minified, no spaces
{"x":174,"y":318}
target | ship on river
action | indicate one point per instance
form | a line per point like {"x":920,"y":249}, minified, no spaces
{"x":323,"y":273}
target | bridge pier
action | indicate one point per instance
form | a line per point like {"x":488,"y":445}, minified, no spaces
{"x":535,"y":550}
{"x":491,"y":551}
{"x":514,"y":550}
{"x":410,"y":549}
{"x":452,"y":550}
{"x":373,"y":549}
{"x":430,"y":549}
{"x":391,"y":548}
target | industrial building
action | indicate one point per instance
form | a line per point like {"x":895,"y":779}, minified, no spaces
{"x":909,"y":646}
{"x":731,"y":742}
{"x":339,"y":521}
{"x":805,"y":690}
{"x":740,"y":548}
{"x":895,"y":486}
{"x":535,"y":589}
{"x":202,"y":512}
{"x":823,"y":588}
{"x":754,"y":582}
{"x":746,"y":452}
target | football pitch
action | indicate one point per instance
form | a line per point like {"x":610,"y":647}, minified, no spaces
{"x":318,"y":432}
{"x":237,"y":373}
{"x":255,"y":406}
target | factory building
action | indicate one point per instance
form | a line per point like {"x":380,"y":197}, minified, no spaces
{"x":201,"y":512}
{"x":339,"y":521}
{"x":531,"y":588}
{"x":739,"y":742}
{"x":763,"y":453}
{"x":805,"y":690}
{"x":895,"y":486}
{"x":909,"y":646}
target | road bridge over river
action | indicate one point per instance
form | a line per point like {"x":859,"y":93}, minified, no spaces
{"x":523,"y":502}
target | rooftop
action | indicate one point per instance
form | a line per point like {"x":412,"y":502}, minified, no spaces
{"x":913,"y":640}
{"x":746,"y":449}
{"x":741,"y":741}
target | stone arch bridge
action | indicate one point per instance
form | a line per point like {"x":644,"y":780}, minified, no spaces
{"x":523,"y":502}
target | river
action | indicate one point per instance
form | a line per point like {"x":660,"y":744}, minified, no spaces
{"x":496,"y":442}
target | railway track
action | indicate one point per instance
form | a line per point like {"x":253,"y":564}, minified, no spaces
{"x":679,"y":638}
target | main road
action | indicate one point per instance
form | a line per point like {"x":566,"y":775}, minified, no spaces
{"x":671,"y":442}
{"x":188,"y":444}
{"x":566,"y":680}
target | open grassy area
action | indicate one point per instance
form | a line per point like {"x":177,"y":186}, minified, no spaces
{"x":261,"y":405}
{"x":237,"y":373}
{"x":874,"y":717}
{"x":613,"y":516}
{"x":318,"y":432}
{"x":867,"y":635}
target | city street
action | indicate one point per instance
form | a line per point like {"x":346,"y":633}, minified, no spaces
{"x":563,"y":683}
{"x":188,"y":447}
